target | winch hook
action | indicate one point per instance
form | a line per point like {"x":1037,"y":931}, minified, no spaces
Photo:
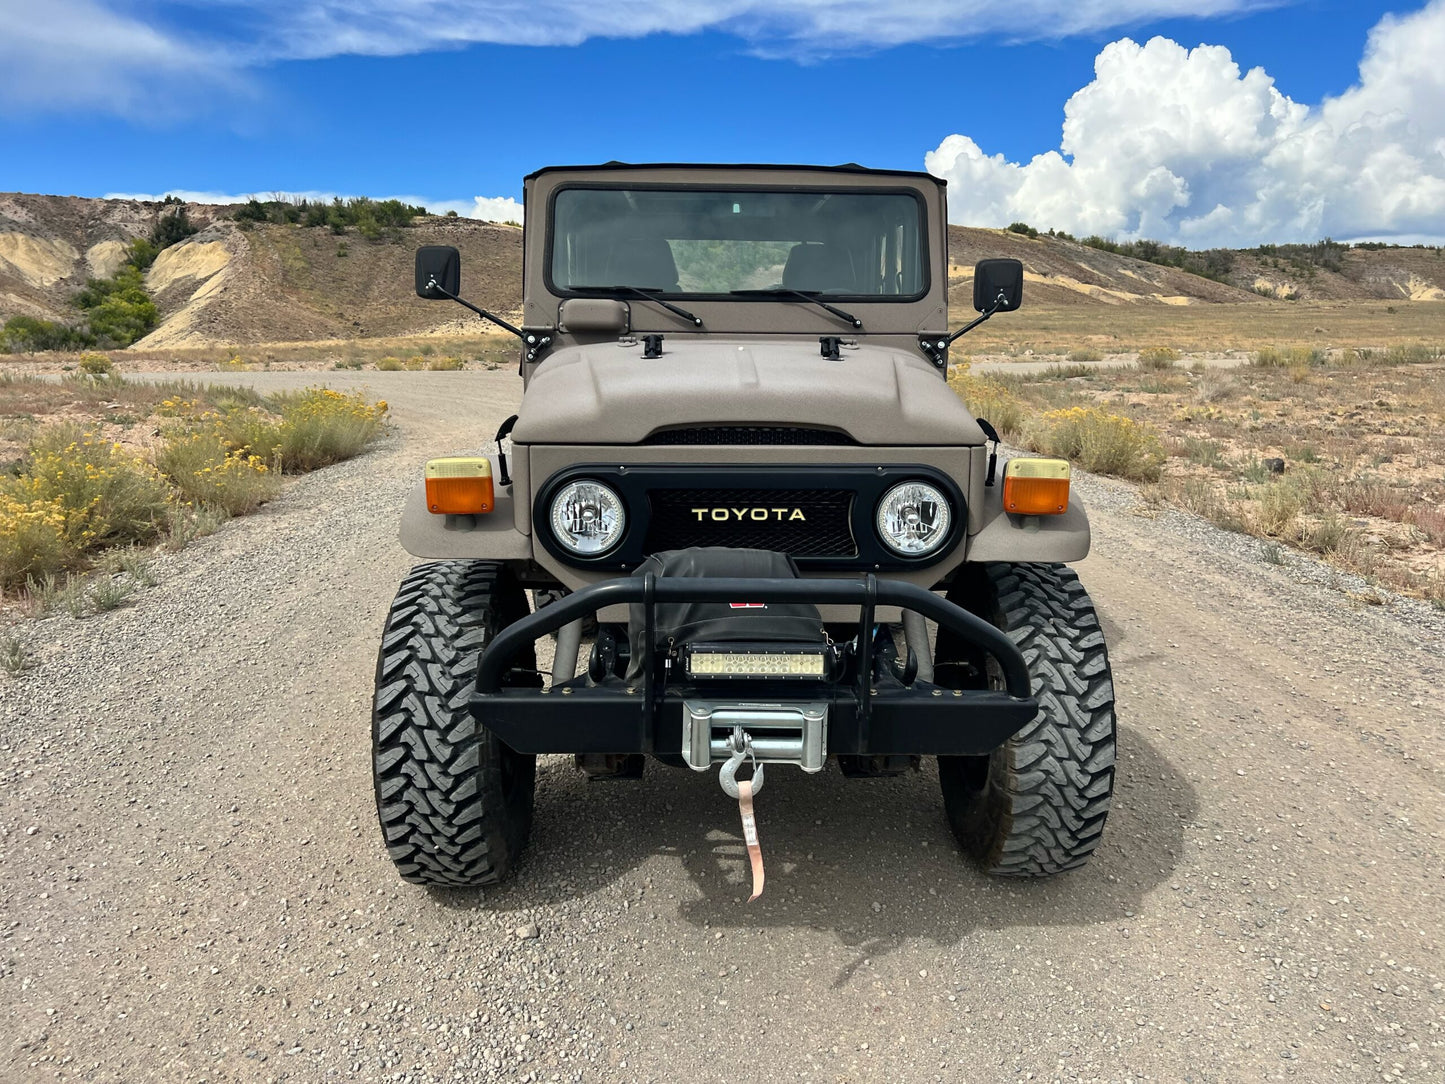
{"x":741,"y":744}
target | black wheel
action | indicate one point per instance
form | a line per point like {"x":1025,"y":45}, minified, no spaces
{"x":1037,"y":805}
{"x":455,"y":802}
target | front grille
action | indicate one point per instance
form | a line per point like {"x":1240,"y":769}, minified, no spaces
{"x":749,"y":434}
{"x":822,"y":531}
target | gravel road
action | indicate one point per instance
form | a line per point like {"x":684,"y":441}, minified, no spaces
{"x":194,"y":887}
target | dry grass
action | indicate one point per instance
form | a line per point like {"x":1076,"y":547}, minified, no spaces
{"x":98,"y":463}
{"x":1362,"y":443}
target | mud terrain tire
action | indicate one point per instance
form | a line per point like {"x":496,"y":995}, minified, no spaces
{"x":455,"y":802}
{"x":1037,"y":805}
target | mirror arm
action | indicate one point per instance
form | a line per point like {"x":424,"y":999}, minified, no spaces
{"x":432,"y":284}
{"x":998,"y":303}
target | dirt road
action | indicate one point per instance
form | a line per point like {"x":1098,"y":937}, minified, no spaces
{"x":194,"y":887}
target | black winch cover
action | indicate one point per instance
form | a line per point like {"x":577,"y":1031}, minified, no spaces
{"x":712,"y":622}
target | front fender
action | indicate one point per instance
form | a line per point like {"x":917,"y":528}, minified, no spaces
{"x":1016,"y":539}
{"x":492,"y":537}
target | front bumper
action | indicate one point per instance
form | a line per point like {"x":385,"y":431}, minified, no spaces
{"x":876,"y":714}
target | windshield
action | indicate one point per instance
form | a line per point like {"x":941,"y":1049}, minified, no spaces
{"x":700,"y":242}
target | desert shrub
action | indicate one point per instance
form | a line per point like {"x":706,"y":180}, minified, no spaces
{"x":320,"y":426}
{"x":33,"y":541}
{"x":1273,"y":357}
{"x":1158,"y":357}
{"x":415,"y":364}
{"x":171,"y":228}
{"x":390,"y":365}
{"x":1412,"y":354}
{"x":141,"y":253}
{"x":1430,"y":522}
{"x":109,"y":496}
{"x":30,"y":334}
{"x":1277,"y":507}
{"x":1099,"y":441}
{"x":1062,"y":372}
{"x":1324,"y":534}
{"x":445,"y":365}
{"x":207,"y":472}
{"x":1023,"y":228}
{"x":1207,"y":453}
{"x":1370,"y":497}
{"x":990,"y":400}
{"x":1084,"y":354}
{"x":96,"y":365}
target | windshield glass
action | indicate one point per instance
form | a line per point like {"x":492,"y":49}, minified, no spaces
{"x":699,"y":242}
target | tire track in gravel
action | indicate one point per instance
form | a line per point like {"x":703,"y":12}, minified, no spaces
{"x":194,"y":887}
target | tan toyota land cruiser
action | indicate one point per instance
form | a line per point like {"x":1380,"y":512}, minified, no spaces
{"x":760,"y":527}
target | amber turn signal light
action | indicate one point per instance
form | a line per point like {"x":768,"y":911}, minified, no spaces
{"x":459,"y":486}
{"x":1036,"y":487}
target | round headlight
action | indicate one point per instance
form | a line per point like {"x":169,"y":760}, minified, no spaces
{"x":913,"y":519}
{"x":587,"y":518}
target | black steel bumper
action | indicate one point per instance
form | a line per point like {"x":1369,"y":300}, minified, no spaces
{"x":876,"y":714}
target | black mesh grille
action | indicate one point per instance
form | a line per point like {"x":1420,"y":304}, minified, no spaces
{"x":803,"y":522}
{"x":749,"y":434}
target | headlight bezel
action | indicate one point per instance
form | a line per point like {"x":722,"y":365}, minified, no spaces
{"x":557,"y":500}
{"x":944,"y":534}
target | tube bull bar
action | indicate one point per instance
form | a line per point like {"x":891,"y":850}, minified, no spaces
{"x":872,"y":714}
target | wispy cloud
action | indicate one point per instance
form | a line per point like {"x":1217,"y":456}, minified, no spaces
{"x":485,"y":208}
{"x":84,"y":54}
{"x":1178,"y":145}
{"x":96,"y":54}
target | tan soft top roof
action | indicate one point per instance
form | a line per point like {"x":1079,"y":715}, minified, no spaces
{"x":722,"y":167}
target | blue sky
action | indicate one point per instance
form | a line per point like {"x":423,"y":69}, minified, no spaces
{"x":422,"y":98}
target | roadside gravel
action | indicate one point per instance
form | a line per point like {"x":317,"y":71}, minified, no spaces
{"x":192,"y":884}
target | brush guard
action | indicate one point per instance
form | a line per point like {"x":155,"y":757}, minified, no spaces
{"x":875,"y":712}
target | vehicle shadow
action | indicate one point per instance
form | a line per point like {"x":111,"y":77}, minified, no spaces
{"x":873,"y":861}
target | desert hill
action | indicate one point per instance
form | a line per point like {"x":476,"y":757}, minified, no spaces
{"x":268,"y":283}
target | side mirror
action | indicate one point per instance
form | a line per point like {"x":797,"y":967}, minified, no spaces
{"x":438,"y":266}
{"x":996,"y":283}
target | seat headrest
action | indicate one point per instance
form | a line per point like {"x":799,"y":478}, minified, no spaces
{"x":642,"y":261}
{"x":814,"y":266}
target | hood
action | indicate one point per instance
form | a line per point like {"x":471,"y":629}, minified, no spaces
{"x":609,"y":394}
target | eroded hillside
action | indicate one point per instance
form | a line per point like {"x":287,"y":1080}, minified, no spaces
{"x":276,"y":283}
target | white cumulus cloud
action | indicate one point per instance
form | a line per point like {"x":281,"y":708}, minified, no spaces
{"x":485,"y":208}
{"x":1179,"y":145}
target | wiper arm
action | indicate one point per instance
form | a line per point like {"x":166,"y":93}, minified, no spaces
{"x":646,"y":295}
{"x":806,"y":295}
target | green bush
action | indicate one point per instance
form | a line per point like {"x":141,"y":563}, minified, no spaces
{"x":30,"y":334}
{"x":1023,"y":228}
{"x":118,"y":310}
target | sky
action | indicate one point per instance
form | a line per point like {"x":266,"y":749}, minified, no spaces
{"x":1202,"y":123}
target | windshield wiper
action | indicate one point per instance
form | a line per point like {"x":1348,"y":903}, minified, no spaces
{"x":806,"y":295}
{"x":645,"y":294}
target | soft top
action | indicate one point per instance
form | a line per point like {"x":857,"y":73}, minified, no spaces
{"x":723,"y":167}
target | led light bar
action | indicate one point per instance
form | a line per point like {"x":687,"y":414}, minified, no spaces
{"x":724,"y":661}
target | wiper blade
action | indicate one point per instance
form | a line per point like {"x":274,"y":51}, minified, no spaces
{"x":646,"y":295}
{"x":806,"y":295}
